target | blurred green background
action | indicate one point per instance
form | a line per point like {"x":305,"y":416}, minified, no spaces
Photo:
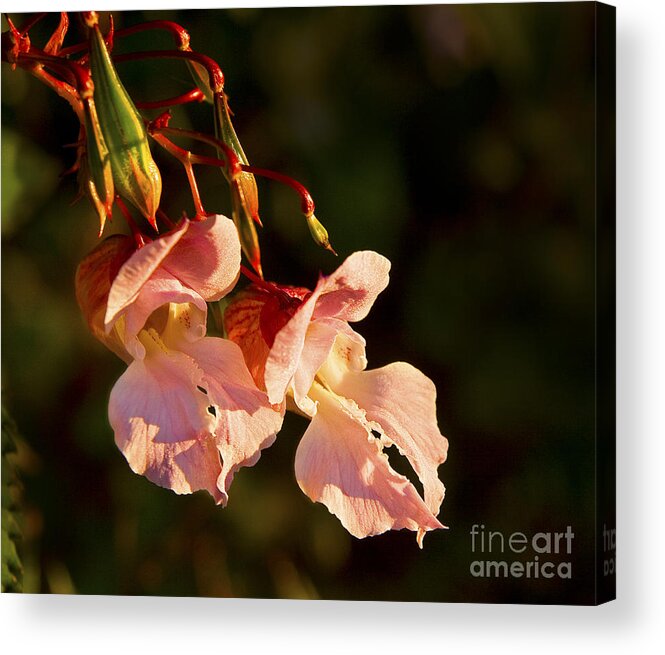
{"x":456,"y":140}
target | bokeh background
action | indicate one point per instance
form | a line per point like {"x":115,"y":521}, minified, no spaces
{"x":456,"y":140}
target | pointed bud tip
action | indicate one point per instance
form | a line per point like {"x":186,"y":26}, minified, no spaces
{"x":90,"y":18}
{"x":319,"y":233}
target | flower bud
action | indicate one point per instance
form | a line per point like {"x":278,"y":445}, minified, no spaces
{"x":249,"y":240}
{"x":226,"y":133}
{"x":135,"y":173}
{"x":318,"y":232}
{"x":244,"y":192}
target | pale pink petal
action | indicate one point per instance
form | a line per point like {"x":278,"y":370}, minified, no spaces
{"x":207,"y":257}
{"x":318,"y":342}
{"x":183,"y":467}
{"x":402,"y":401}
{"x":340,"y":464}
{"x":284,"y":357}
{"x":161,"y":289}
{"x":320,"y":337}
{"x":246,"y":423}
{"x":162,"y":424}
{"x":161,"y":391}
{"x":137,"y":270}
{"x":346,"y":295}
{"x":349,"y":293}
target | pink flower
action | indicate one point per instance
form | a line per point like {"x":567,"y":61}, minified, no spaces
{"x":185,"y":400}
{"x":299,"y":346}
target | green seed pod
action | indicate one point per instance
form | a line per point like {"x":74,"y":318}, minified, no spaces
{"x":249,"y":240}
{"x":135,"y":173}
{"x":225,"y":132}
{"x":95,"y":174}
{"x":318,"y":232}
{"x":244,"y":192}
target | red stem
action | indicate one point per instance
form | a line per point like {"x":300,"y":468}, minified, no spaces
{"x":260,"y":282}
{"x":31,"y":22}
{"x":186,"y":159}
{"x":233,"y":161}
{"x":162,"y":215}
{"x":214,"y":71}
{"x":79,"y":74}
{"x":180,"y":34}
{"x":193,"y":95}
{"x":140,"y":238}
{"x":307,"y":201}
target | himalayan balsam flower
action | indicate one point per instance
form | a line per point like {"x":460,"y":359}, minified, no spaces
{"x":299,"y":346}
{"x":185,"y":399}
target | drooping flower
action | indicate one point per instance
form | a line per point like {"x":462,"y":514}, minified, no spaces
{"x":299,"y":346}
{"x":186,"y":412}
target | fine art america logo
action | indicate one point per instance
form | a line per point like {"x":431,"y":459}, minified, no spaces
{"x":517,"y":555}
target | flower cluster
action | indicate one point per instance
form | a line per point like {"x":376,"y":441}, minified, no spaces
{"x":192,"y":409}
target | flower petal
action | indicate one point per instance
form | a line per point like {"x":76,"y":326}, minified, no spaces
{"x":242,"y":319}
{"x":246,"y":423}
{"x":162,"y":424}
{"x":402,"y":400}
{"x":284,"y":357}
{"x":94,"y":277}
{"x":340,"y":464}
{"x":137,"y":270}
{"x":207,"y":257}
{"x":161,"y":391}
{"x":349,"y":293}
{"x":160,"y":289}
{"x":346,"y":295}
{"x":321,"y":336}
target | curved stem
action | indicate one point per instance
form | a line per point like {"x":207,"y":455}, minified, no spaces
{"x":140,"y":238}
{"x":64,"y":90}
{"x":233,"y":163}
{"x":307,"y":205}
{"x":193,"y":95}
{"x":71,"y":69}
{"x":186,"y":159}
{"x":180,"y":34}
{"x":31,"y":22}
{"x":214,"y":71}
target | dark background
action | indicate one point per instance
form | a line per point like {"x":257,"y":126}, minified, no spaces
{"x":456,"y":140}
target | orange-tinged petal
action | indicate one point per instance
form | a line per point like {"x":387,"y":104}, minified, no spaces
{"x":242,"y":326}
{"x":94,"y":277}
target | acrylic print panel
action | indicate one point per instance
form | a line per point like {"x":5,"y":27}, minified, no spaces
{"x":189,"y":408}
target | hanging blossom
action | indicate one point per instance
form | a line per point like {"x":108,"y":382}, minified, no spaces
{"x":186,"y":412}
{"x":190,"y":410}
{"x":300,"y":347}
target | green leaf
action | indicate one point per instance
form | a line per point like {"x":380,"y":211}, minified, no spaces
{"x":12,"y":569}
